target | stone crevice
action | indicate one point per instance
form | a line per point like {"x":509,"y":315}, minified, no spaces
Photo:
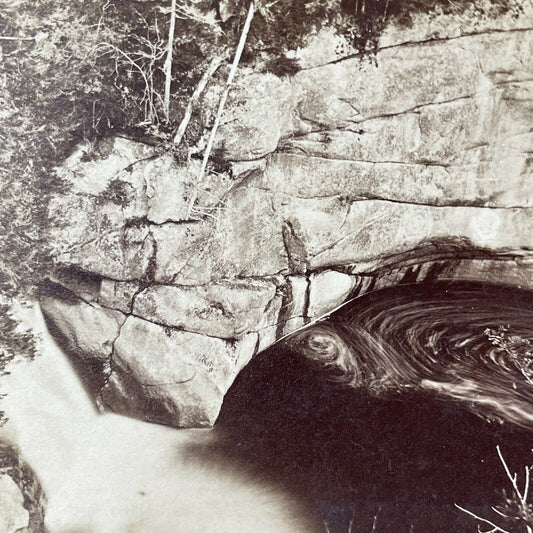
{"x":133,"y":164}
{"x":422,"y":42}
{"x":183,"y":329}
{"x":442,"y":205}
{"x":347,"y":214}
{"x":169,"y":383}
{"x":295,"y":248}
{"x":300,"y":196}
{"x":511,"y":82}
{"x":306,"y":153}
{"x":265,"y":308}
{"x":74,"y":294}
{"x":108,"y":372}
{"x":370,"y":198}
{"x":128,"y":168}
{"x":285,"y":309}
{"x":257,"y":344}
{"x":307,"y":298}
{"x":416,"y":109}
{"x":146,"y":222}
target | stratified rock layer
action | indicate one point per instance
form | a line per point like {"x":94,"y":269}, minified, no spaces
{"x":347,"y":177}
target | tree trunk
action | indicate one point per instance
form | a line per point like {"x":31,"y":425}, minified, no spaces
{"x":168,"y":61}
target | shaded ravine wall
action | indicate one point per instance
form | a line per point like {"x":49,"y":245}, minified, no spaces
{"x":345,"y":178}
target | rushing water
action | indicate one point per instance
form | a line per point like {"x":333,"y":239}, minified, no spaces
{"x":111,"y":474}
{"x":472,"y":342}
{"x":380,"y":420}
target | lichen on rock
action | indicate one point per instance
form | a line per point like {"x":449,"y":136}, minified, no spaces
{"x":346,"y":177}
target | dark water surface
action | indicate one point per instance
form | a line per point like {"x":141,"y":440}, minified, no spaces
{"x":390,"y":412}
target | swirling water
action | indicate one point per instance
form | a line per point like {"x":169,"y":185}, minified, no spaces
{"x":379,"y":419}
{"x":472,"y":342}
{"x":389,"y":413}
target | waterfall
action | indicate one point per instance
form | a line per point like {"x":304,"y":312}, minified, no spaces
{"x":111,"y":474}
{"x":385,"y":415}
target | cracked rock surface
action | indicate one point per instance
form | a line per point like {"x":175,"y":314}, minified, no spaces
{"x":347,"y":177}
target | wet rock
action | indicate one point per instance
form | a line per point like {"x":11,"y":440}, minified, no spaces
{"x":221,"y":309}
{"x":296,"y":304}
{"x":170,"y":376}
{"x":327,"y":291}
{"x":515,"y":273}
{"x":86,"y":330}
{"x":22,"y":500}
{"x":349,"y":176}
{"x":336,"y":233}
{"x":13,"y":516}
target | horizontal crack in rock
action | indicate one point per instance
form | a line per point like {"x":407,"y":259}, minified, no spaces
{"x":423,"y":42}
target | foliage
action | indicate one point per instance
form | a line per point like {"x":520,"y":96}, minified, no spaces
{"x":11,"y":464}
{"x":282,"y":66}
{"x":20,"y":342}
{"x":51,"y":95}
{"x":139,"y":55}
{"x":118,"y":192}
{"x":14,"y":343}
{"x":518,"y":350}
{"x":72,"y":71}
{"x":285,"y":25}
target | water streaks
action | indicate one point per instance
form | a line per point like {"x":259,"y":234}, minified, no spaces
{"x":470,"y":342}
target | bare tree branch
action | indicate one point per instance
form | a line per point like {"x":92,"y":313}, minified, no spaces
{"x":5,"y":38}
{"x":236,"y":59}
{"x":168,"y":61}
{"x":213,"y":66}
{"x":481,"y":519}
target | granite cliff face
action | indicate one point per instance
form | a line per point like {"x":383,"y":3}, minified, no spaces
{"x":347,"y":177}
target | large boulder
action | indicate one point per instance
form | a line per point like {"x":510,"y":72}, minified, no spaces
{"x":349,"y":176}
{"x":13,"y":516}
{"x":22,"y":501}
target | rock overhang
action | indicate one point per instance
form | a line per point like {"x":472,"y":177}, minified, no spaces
{"x":164,"y":364}
{"x":355,"y":177}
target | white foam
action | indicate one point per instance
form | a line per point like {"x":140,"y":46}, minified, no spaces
{"x":111,"y":474}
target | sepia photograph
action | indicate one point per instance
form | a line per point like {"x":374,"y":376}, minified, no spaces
{"x":266,"y":266}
